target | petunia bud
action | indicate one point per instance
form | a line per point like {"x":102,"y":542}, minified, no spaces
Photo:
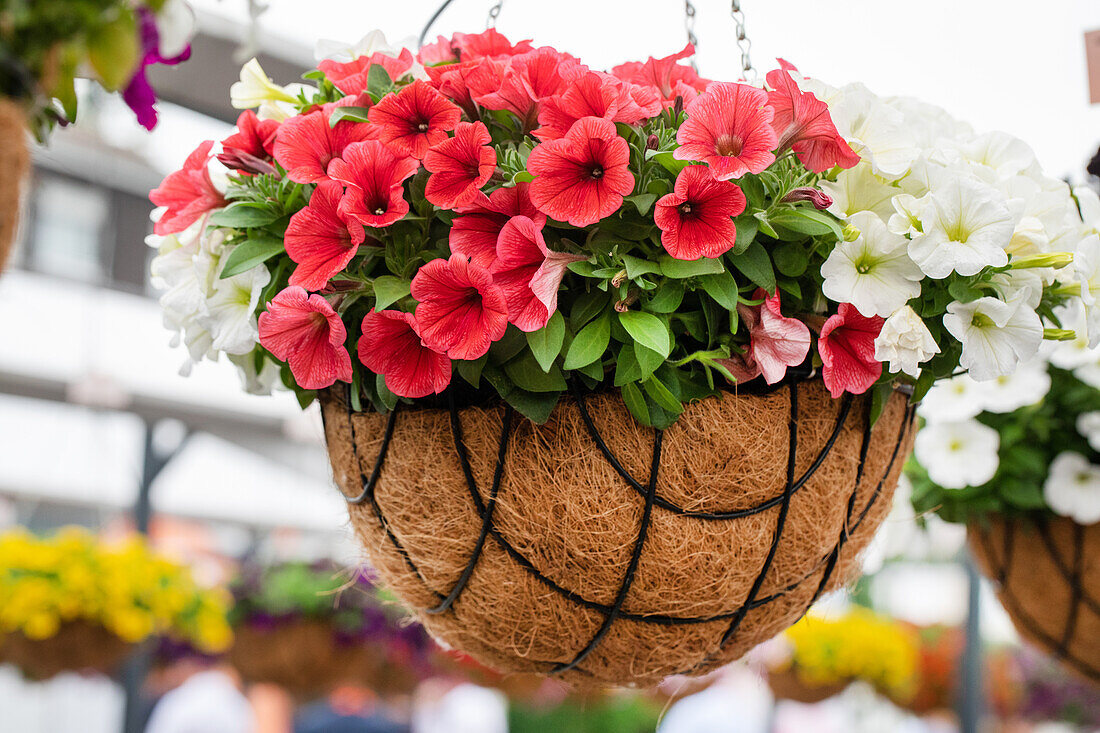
{"x":1050,"y":259}
{"x":619,"y":279}
{"x":652,"y":142}
{"x":818,"y":198}
{"x":1059,"y":334}
{"x":677,"y":107}
{"x":239,"y":160}
{"x":851,"y":234}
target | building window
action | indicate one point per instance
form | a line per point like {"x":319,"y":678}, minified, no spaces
{"x":67,"y":232}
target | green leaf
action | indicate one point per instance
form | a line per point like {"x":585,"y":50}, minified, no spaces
{"x":680,"y":269}
{"x":762,"y":223}
{"x":593,"y":371}
{"x":527,"y":374}
{"x":626,"y":366}
{"x":504,"y":350}
{"x":589,"y":344}
{"x":668,"y":297}
{"x":250,"y":253}
{"x":113,"y":49}
{"x":755,"y":264}
{"x":244,"y":216}
{"x":810,"y":222}
{"x":586,"y":307}
{"x":536,"y":406}
{"x":546,"y":342}
{"x":660,"y":394}
{"x":642,"y":202}
{"x":471,"y":370}
{"x":388,"y":290}
{"x":880,"y":395}
{"x":583,"y":268}
{"x":636,"y":267}
{"x":632,"y":398}
{"x":963,"y":291}
{"x":352,"y":114}
{"x":747,"y":227}
{"x":791,"y":259}
{"x":753,"y":189}
{"x":723,"y":288}
{"x":647,"y":359}
{"x":648,"y":330}
{"x":666,"y":160}
{"x":378,"y":79}
{"x":389,"y":399}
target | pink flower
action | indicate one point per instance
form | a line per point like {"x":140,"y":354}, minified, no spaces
{"x":528,"y":273}
{"x":487,"y":43}
{"x":188,"y":193}
{"x":461,"y":311}
{"x":306,"y":145}
{"x":251,"y":146}
{"x":373,"y":175}
{"x":847,"y":348}
{"x":802,"y":123}
{"x":414,"y":119}
{"x":775,"y":341}
{"x":453,"y":82}
{"x":474,"y":234}
{"x":351,"y":77}
{"x":440,"y":52}
{"x":728,"y":127}
{"x":460,"y":166}
{"x":304,"y":331}
{"x":695,"y":219}
{"x":668,"y":78}
{"x":582,"y":177}
{"x":391,"y":346}
{"x":592,"y":94}
{"x":321,"y":239}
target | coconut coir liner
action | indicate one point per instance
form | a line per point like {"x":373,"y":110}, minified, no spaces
{"x":787,"y":685}
{"x":14,"y":165}
{"x":76,"y":647}
{"x":1048,"y":577}
{"x":571,"y":525}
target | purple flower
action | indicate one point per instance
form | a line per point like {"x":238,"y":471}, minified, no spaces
{"x":139,"y":94}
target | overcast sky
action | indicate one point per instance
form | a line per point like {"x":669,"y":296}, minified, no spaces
{"x":999,"y":64}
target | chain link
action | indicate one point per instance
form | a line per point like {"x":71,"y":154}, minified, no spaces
{"x":494,"y":13}
{"x":743,"y":42}
{"x":689,"y":26}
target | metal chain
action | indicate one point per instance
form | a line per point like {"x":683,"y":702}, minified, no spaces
{"x":494,"y":13}
{"x":689,"y":26}
{"x":743,"y":41}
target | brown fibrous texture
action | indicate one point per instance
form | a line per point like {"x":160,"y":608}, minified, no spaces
{"x":576,"y":521}
{"x":787,"y":685}
{"x":76,"y":647}
{"x":1047,"y":573}
{"x":14,"y":166}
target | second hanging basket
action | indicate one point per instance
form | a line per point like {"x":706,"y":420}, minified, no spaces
{"x":608,"y":553}
{"x":1048,"y":577}
{"x":15,"y":164}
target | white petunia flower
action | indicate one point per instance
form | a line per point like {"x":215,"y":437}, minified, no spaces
{"x":1025,"y":285}
{"x":1001,"y":155}
{"x":253,"y":381}
{"x":1088,"y":425}
{"x":1025,"y":386}
{"x":175,"y":23}
{"x":1089,"y":202}
{"x":1086,"y":262}
{"x":1072,"y":488}
{"x":1089,"y":373}
{"x":874,"y":272}
{"x":929,"y":124}
{"x":906,"y":217}
{"x":995,"y":335}
{"x":905,"y":342}
{"x":965,"y":228}
{"x":875,"y":130}
{"x":230,"y":309}
{"x":256,"y":88}
{"x":1076,"y":353}
{"x":859,"y":189}
{"x":370,"y":44}
{"x":958,"y":454}
{"x":952,"y":400}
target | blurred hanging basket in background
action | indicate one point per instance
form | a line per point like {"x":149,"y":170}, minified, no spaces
{"x":598,"y":549}
{"x":15,"y":164}
{"x":1047,"y":573}
{"x":76,"y":647}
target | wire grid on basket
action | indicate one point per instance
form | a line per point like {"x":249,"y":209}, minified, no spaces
{"x":648,"y":493}
{"x":1072,"y":574}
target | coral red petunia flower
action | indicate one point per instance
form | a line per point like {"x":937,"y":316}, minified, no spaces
{"x":528,"y":273}
{"x":253,"y":135}
{"x":520,"y":83}
{"x":589,"y":95}
{"x":188,"y":193}
{"x":803,"y":123}
{"x":304,"y":331}
{"x":453,"y":82}
{"x":391,"y":346}
{"x":728,"y":127}
{"x":351,"y":77}
{"x":460,"y":166}
{"x":669,"y":78}
{"x":461,"y":311}
{"x":582,"y":177}
{"x":320,"y":239}
{"x":695,"y":219}
{"x":847,"y":348}
{"x":373,"y":175}
{"x":440,"y":52}
{"x":487,"y":43}
{"x":474,"y":233}
{"x":414,"y":119}
{"x":306,"y":145}
{"x":775,"y":341}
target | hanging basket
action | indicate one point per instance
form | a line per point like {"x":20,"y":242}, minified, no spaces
{"x":76,"y":647}
{"x":1048,"y":577}
{"x":15,"y":166}
{"x":787,"y":685}
{"x":607,"y":553}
